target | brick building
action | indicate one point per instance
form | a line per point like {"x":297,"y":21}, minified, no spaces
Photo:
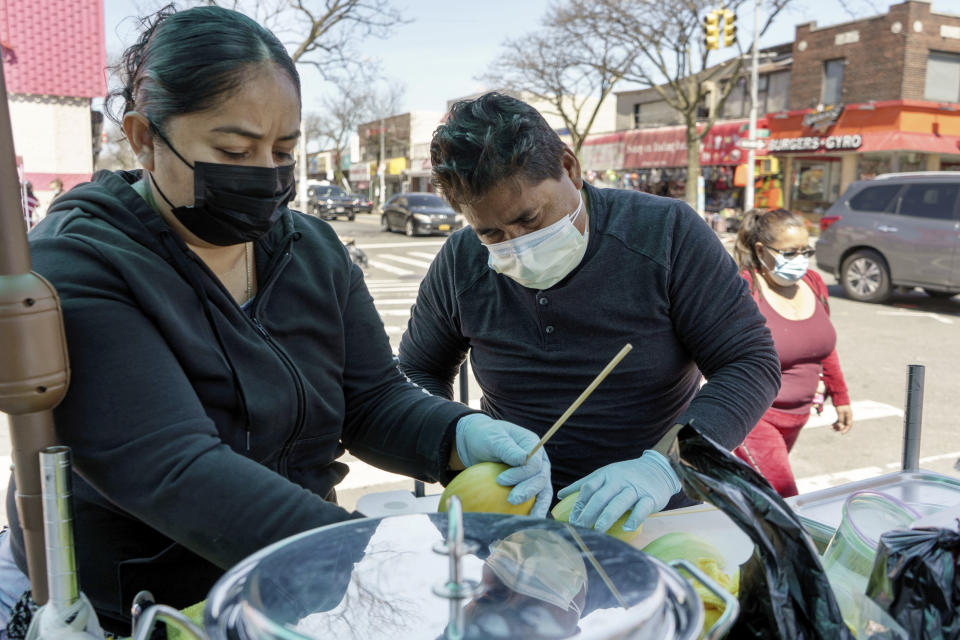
{"x":54,"y":56}
{"x":406,"y":144}
{"x":870,"y":96}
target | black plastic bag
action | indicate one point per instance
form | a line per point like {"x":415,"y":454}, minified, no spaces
{"x":916,"y":578}
{"x":784,"y":592}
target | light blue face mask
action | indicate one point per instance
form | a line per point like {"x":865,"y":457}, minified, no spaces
{"x":542,"y":258}
{"x":787,"y":272}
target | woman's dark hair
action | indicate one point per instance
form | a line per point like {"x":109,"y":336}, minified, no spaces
{"x":763,"y":227}
{"x":488,"y":140}
{"x":186,"y":60}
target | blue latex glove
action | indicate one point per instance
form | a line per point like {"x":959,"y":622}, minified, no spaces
{"x":480,"y":438}
{"x":644,"y":485}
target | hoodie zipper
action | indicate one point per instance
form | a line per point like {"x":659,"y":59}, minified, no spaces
{"x":291,"y":367}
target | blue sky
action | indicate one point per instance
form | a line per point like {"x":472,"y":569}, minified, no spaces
{"x":450,"y":42}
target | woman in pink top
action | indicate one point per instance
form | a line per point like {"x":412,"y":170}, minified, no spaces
{"x":773,"y":251}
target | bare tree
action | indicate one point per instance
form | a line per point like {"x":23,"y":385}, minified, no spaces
{"x":350,"y":103}
{"x":665,"y":37}
{"x":319,"y":33}
{"x":574,"y":81}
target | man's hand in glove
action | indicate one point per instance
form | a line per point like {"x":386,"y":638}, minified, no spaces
{"x":644,"y":485}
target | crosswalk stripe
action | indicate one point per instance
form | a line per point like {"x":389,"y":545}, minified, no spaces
{"x":825,"y":480}
{"x":393,"y":312}
{"x":389,"y":267}
{"x":391,"y":292}
{"x":406,"y":301}
{"x":402,"y":245}
{"x":862,"y":410}
{"x":404,"y":260}
{"x":410,"y":286}
{"x":392,"y":284}
{"x":423,"y":254}
{"x":394,"y":328}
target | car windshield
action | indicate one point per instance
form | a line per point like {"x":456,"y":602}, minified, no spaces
{"x":425,"y":200}
{"x":330,"y":191}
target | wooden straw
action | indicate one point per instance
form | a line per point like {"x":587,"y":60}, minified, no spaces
{"x":583,"y":396}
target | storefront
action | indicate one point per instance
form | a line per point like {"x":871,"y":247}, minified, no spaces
{"x":655,"y":160}
{"x":418,"y":177}
{"x":824,"y":150}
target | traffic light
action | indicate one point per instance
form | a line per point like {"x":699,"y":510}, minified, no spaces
{"x":729,"y":28}
{"x":711,"y":30}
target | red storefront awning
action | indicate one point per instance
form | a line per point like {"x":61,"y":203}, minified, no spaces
{"x":910,"y":141}
{"x":892,"y":125}
{"x":603,"y":152}
{"x":667,"y":146}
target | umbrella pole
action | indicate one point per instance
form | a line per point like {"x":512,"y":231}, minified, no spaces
{"x":34,"y":376}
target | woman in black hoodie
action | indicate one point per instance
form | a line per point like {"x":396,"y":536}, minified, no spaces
{"x":224,"y":350}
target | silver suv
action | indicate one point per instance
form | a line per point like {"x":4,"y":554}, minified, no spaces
{"x":897,"y":230}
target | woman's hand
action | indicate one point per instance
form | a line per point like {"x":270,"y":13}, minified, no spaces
{"x":844,"y":418}
{"x":480,"y":438}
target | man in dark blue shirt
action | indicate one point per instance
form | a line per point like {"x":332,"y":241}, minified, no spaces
{"x":551,"y":279}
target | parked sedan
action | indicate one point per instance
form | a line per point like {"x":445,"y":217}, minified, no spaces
{"x":419,"y":213}
{"x":329,"y":201}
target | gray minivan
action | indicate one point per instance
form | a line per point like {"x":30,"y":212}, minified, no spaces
{"x":897,"y":230}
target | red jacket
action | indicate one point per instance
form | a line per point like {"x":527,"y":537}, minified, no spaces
{"x":833,"y":380}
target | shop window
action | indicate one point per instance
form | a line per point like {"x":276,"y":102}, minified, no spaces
{"x":871,"y":165}
{"x":937,"y":201}
{"x":831,"y":91}
{"x":778,"y":92}
{"x":817,"y":183}
{"x":880,"y":198}
{"x":738,"y":102}
{"x":943,"y":77}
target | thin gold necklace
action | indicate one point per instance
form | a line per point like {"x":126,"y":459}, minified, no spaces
{"x":248,"y":259}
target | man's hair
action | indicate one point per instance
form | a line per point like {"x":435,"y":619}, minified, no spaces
{"x":489,"y":140}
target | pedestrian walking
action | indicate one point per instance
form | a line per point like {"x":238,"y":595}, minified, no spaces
{"x":31,"y":205}
{"x":773,"y":251}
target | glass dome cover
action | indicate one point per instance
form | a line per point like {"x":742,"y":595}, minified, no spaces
{"x":380,"y":577}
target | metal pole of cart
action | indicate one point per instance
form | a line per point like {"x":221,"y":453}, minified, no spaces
{"x":35,"y":374}
{"x":56,"y":482}
{"x":912,"y":417}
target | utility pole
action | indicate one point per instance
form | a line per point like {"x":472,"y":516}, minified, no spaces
{"x":748,"y":194}
{"x":382,"y":168}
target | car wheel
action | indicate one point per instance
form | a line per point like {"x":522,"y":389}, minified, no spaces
{"x":352,"y":217}
{"x":940,"y":295}
{"x":384,"y":224}
{"x":409,"y":228}
{"x":865,"y":276}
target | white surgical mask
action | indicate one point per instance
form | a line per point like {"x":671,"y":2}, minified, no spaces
{"x":541,"y":259}
{"x":787,"y":272}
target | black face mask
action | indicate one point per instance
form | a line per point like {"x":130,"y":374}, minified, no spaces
{"x":232,"y":203}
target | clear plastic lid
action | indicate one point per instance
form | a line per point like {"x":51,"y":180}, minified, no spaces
{"x":866,"y":516}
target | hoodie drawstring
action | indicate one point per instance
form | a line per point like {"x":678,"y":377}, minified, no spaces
{"x":177,"y":254}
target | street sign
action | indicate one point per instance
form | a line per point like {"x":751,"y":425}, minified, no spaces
{"x":746,"y":143}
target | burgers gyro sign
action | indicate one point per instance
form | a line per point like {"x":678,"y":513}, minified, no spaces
{"x":816,"y":143}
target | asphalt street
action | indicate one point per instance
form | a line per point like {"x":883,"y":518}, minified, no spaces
{"x":876,"y":344}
